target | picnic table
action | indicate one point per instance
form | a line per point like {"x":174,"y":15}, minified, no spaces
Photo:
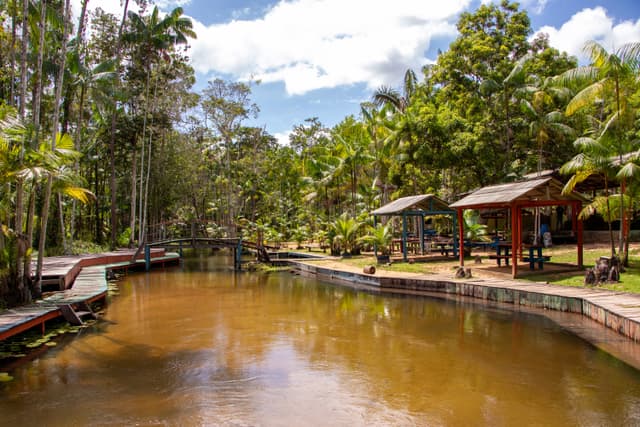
{"x":444,"y":246}
{"x":503,"y":250}
{"x":536,"y":257}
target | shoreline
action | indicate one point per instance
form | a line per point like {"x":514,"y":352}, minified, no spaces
{"x":81,"y":279}
{"x":608,"y":320}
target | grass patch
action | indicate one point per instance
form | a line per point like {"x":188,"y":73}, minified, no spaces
{"x":629,"y":280}
{"x":417,"y":267}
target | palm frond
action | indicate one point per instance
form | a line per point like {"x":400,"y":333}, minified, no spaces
{"x":585,"y":97}
{"x":596,"y":53}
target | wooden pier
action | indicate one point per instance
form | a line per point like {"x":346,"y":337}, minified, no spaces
{"x":80,"y":279}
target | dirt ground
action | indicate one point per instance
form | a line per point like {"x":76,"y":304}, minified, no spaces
{"x":565,"y":257}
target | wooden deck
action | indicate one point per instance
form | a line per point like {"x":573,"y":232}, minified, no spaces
{"x":83,"y":279}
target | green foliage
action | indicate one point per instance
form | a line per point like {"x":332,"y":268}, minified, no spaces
{"x":380,"y":237}
{"x":345,"y":231}
{"x":473,"y":230}
{"x":124,"y":237}
{"x":489,"y":110}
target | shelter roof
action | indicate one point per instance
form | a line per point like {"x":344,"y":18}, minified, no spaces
{"x":531,"y":192}
{"x":423,"y":202}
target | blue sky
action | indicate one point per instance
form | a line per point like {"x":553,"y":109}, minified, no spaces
{"x":322,"y":58}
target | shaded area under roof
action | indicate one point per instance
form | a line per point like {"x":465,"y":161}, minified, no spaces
{"x":533,"y":191}
{"x":424,"y":202}
{"x":542,"y":190}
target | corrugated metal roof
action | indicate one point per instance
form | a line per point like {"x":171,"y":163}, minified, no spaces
{"x":546,"y":188}
{"x":421,"y":202}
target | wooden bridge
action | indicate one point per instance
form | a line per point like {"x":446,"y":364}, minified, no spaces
{"x":237,"y":245}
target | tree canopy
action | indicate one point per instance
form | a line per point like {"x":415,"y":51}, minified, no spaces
{"x":109,"y":124}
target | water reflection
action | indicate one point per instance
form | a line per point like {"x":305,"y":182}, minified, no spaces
{"x":202,"y":345}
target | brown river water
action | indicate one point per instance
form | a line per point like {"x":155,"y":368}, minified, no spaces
{"x":203,"y":345}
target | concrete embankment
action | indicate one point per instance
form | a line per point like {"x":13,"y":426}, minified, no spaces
{"x":618,"y":311}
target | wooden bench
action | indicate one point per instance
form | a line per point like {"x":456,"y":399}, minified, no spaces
{"x":443,"y":247}
{"x":499,"y":258}
{"x":537,"y":259}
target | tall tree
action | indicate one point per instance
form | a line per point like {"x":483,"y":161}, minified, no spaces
{"x":55,"y":134}
{"x":112,"y":135}
{"x":472,"y":76}
{"x":608,"y":84}
{"x":153,"y":37}
{"x":226,"y":105}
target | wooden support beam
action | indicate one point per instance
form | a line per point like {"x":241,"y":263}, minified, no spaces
{"x":461,"y":235}
{"x":515,"y":231}
{"x":577,"y":224}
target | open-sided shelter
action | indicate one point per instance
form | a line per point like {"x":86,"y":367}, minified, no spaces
{"x":516,"y":196}
{"x":422,"y":205}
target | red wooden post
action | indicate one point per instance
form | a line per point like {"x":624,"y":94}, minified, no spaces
{"x":519,"y":241}
{"x":515,"y":232}
{"x":577,"y":207}
{"x":461,"y":235}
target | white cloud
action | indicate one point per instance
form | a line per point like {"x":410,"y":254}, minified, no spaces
{"x":282,"y":137}
{"x":170,"y":4}
{"x":114,"y":7}
{"x":313,"y":44}
{"x":591,"y":24}
{"x":535,"y":6}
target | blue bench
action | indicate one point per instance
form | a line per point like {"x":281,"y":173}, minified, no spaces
{"x":540,"y":260}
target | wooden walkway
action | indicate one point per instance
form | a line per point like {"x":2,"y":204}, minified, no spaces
{"x":81,"y":279}
{"x":619,"y":311}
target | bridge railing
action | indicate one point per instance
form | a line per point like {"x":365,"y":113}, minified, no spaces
{"x":187,"y":229}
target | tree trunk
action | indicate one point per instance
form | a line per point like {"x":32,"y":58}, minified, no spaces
{"x":134,"y":176}
{"x":24,"y":58}
{"x":56,"y":113}
{"x":146,"y":185}
{"x":112,"y":137}
{"x":611,"y":239}
{"x":30,"y":225}
{"x":63,"y":231}
{"x":12,"y":57}
{"x":37,"y":96}
{"x":144,"y":135}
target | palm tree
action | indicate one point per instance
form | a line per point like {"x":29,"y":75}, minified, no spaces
{"x":112,"y":134}
{"x":377,"y":123}
{"x":380,"y":237}
{"x":345,"y":231}
{"x":594,"y":159}
{"x":34,"y":165}
{"x":153,"y":37}
{"x":13,"y":249}
{"x":385,"y":95}
{"x":353,"y":155}
{"x":611,"y":80}
{"x":546,"y":123}
{"x":55,"y":136}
